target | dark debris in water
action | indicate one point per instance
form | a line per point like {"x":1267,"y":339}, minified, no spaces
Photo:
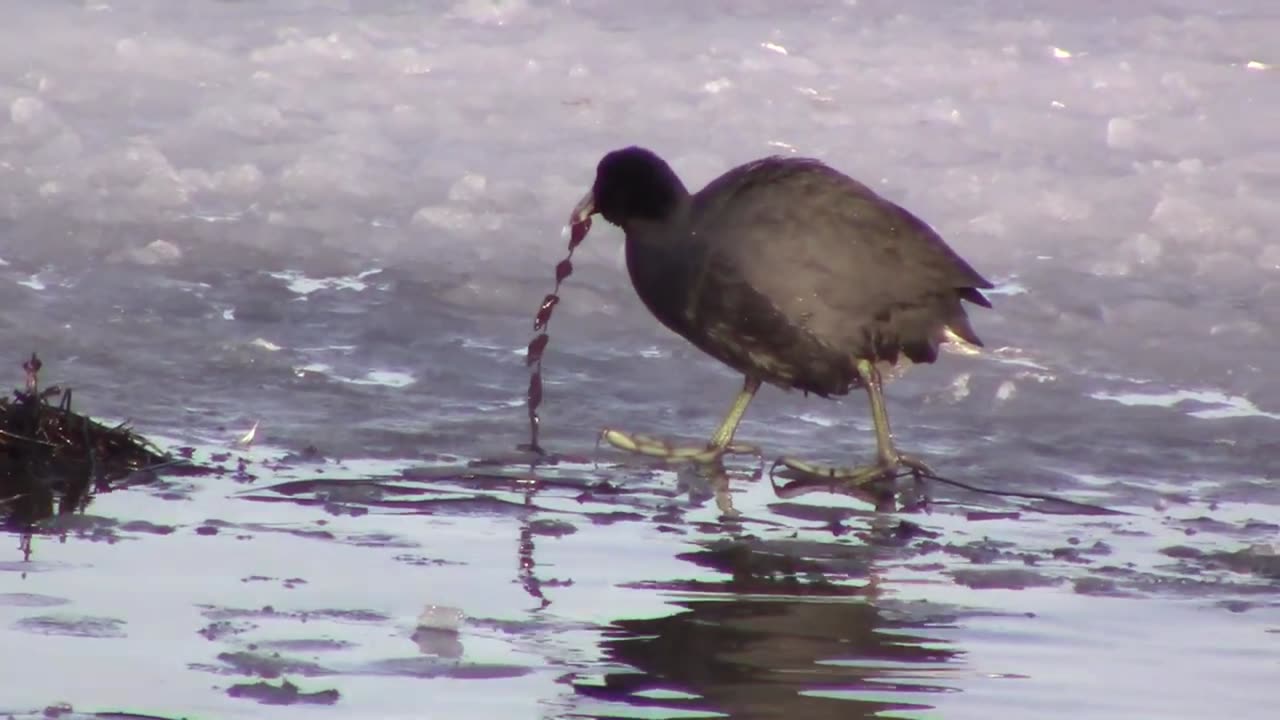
{"x":219,"y":630}
{"x":309,"y":645}
{"x":1002,"y":578}
{"x":1099,"y":586}
{"x":66,"y":711}
{"x":424,"y":560}
{"x":269,"y":612}
{"x":428,"y":666}
{"x":269,"y":664}
{"x":72,"y":626}
{"x":1259,"y":560}
{"x":286,"y":693}
{"x":52,"y":459}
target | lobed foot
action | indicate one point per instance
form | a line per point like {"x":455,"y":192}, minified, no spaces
{"x":659,"y":448}
{"x":885,"y":469}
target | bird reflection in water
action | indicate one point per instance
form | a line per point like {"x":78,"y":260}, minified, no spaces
{"x":903,"y":493}
{"x":774,"y":639}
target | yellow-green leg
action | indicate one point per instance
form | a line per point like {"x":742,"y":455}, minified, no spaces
{"x":721,"y":441}
{"x":888,"y":459}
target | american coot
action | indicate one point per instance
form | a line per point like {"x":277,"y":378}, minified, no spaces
{"x":791,"y":273}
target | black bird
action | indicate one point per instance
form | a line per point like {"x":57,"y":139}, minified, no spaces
{"x":791,"y":273}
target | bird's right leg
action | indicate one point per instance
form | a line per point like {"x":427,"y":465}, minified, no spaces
{"x":721,"y":442}
{"x":888,"y":460}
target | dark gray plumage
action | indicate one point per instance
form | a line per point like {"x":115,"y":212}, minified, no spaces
{"x":786,"y":270}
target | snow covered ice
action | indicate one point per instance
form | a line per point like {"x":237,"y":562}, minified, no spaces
{"x":336,"y":219}
{"x":1118,"y":163}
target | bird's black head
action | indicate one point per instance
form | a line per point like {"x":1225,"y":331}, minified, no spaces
{"x":636,"y":184}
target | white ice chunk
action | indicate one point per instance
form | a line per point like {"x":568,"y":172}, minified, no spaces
{"x":1142,"y":248}
{"x":30,"y":111}
{"x":441,"y":617}
{"x":298,"y":49}
{"x":1182,"y":216}
{"x":455,"y":219}
{"x":34,"y":282}
{"x":819,"y":420}
{"x":242,"y":180}
{"x":251,"y":121}
{"x":468,"y":188}
{"x":409,"y":61}
{"x":324,"y":173}
{"x":156,"y":252}
{"x":1007,"y":288}
{"x":1269,"y":257}
{"x":1122,"y":133}
{"x":386,"y":378}
{"x":303,"y":285}
{"x":1181,"y":85}
{"x":717,"y":85}
{"x":959,"y":388}
{"x":993,"y":224}
{"x":1226,"y":406}
{"x":165,"y":190}
{"x":494,"y":12}
{"x":1065,"y":206}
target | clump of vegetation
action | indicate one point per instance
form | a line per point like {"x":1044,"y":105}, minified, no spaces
{"x":53,"y":459}
{"x":533,"y":357}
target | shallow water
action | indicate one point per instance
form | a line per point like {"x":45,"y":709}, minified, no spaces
{"x":335,"y":223}
{"x":580,"y":592}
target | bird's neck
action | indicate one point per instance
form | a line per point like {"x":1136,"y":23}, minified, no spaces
{"x":662,"y":260}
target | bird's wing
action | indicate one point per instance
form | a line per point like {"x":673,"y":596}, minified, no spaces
{"x":813,"y":241}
